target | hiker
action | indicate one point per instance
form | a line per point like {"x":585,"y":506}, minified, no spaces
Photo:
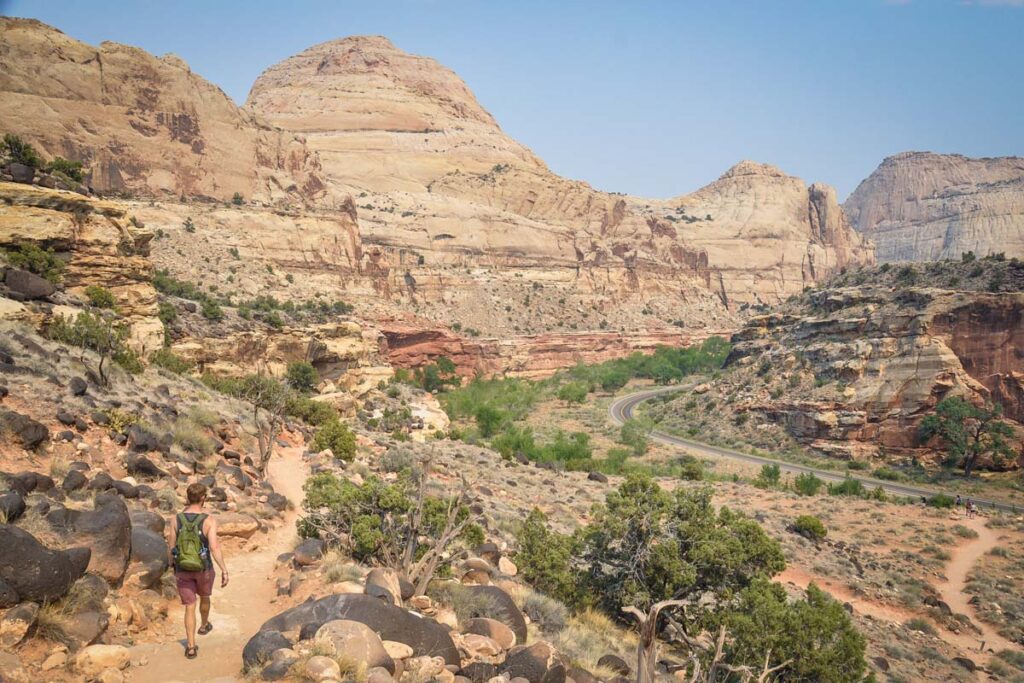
{"x":193,"y":548}
{"x":970,"y":508}
{"x":958,"y":502}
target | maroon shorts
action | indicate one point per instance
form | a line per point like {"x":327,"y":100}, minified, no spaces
{"x":191,"y":584}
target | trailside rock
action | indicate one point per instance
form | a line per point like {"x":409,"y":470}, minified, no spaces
{"x":16,"y":622}
{"x":424,"y":636}
{"x":29,"y":285}
{"x":537,"y":663}
{"x":495,"y":630}
{"x":107,"y":529}
{"x":25,"y":431}
{"x":308,"y":552}
{"x":615,"y":663}
{"x":33,"y":571}
{"x":261,"y":646}
{"x":12,"y":506}
{"x":355,"y":641}
{"x":383,"y":583}
{"x":236,"y":524}
{"x":498,"y":605}
{"x":94,"y":659}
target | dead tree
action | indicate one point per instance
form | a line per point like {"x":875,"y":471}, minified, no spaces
{"x":716,"y":671}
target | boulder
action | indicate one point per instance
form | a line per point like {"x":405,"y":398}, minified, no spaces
{"x":107,"y":529}
{"x":424,"y":636}
{"x":397,"y":650}
{"x":495,"y":630}
{"x":29,"y":285}
{"x":308,"y":552}
{"x":84,"y":628}
{"x":23,"y":429}
{"x":12,"y":506}
{"x":599,"y":477}
{"x":581,"y":675}
{"x":101,"y":482}
{"x":479,"y":672}
{"x":78,"y":386}
{"x":34,"y":572}
{"x":383,"y":583}
{"x":94,"y":659}
{"x":537,"y":663}
{"x":21,"y":173}
{"x":320,"y":668}
{"x":480,"y":646}
{"x":966,"y":663}
{"x":148,"y":520}
{"x":8,"y":596}
{"x":73,"y":481}
{"x":355,"y":641}
{"x":141,"y":466}
{"x":261,"y":646}
{"x":16,"y":622}
{"x":237,"y":525}
{"x":277,"y":501}
{"x":507,"y":567}
{"x":498,"y":605}
{"x":148,"y":546}
{"x":234,"y":475}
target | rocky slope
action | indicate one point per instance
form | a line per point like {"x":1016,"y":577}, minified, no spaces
{"x":920,"y":206}
{"x":142,"y":124}
{"x":852,"y":368}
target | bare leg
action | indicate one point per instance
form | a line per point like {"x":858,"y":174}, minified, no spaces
{"x":204,"y":610}
{"x":190,"y":624}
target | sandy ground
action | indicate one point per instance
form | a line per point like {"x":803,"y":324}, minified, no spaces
{"x":238,"y":610}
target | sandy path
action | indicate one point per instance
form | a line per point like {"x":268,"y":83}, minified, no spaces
{"x":952,"y":591}
{"x":237,"y":611}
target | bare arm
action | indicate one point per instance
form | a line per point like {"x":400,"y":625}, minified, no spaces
{"x":215,"y":551}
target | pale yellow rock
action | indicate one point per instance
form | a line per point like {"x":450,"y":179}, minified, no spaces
{"x":397,"y":650}
{"x":320,"y":668}
{"x":237,"y":524}
{"x":920,"y":206}
{"x":12,"y":310}
{"x":507,"y":566}
{"x":94,"y":659}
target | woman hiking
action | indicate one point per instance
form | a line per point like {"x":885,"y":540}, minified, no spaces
{"x":193,"y":548}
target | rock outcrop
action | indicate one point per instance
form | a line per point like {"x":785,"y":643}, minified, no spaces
{"x":920,"y":206}
{"x":142,"y":124}
{"x":101,"y":245}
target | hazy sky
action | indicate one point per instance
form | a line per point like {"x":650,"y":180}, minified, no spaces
{"x":649,"y":98}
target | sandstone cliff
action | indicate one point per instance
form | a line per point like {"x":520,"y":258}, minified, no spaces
{"x":142,"y":124}
{"x":919,"y":206}
{"x":100,"y":245}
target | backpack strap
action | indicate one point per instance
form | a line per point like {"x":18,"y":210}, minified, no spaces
{"x":194,"y":525}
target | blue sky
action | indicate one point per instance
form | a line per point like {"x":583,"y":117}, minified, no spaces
{"x":645,"y":97}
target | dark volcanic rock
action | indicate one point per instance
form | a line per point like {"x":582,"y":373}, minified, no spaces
{"x":537,"y":663}
{"x":12,"y":506}
{"x":141,"y":466}
{"x":29,"y":285}
{"x":74,"y":480}
{"x":107,"y":529}
{"x":498,"y":605}
{"x":261,"y":646}
{"x":424,"y":636}
{"x":32,"y":570}
{"x":78,"y":386}
{"x":26,"y":431}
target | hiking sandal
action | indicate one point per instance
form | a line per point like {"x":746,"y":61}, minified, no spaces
{"x":205,"y":628}
{"x":191,"y":652}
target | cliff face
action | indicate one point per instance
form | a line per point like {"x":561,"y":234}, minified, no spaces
{"x":919,"y":206}
{"x":883,"y":359}
{"x":433,"y":172}
{"x":142,"y":124}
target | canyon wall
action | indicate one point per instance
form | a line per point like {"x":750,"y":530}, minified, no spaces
{"x":920,"y":206}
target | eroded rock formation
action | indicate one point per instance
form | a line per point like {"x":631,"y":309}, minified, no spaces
{"x":920,"y":206}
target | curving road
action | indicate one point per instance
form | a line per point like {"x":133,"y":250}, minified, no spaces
{"x":621,"y":409}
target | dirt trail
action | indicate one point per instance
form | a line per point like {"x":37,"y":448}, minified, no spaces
{"x":952,"y":589}
{"x":237,"y":611}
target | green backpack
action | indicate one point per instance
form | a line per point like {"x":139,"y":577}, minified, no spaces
{"x":189,"y":544}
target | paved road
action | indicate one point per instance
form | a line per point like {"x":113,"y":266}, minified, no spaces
{"x":621,"y":409}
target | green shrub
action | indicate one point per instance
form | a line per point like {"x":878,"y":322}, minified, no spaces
{"x":886,"y":474}
{"x":567,"y":448}
{"x":814,"y":635}
{"x":19,"y":151}
{"x":336,"y":436}
{"x":573,"y":392}
{"x":515,"y":440}
{"x":544,"y":558}
{"x":192,"y":438}
{"x":311,"y":412}
{"x":42,"y":262}
{"x":848,"y":487}
{"x":168,"y":360}
{"x":167,"y":312}
{"x":807,"y":484}
{"x":488,"y":420}
{"x":211,"y":310}
{"x":101,"y":334}
{"x":769,"y":476}
{"x":941,"y":501}
{"x":922,"y":625}
{"x":691,"y":469}
{"x":71,"y":169}
{"x":635,"y":433}
{"x":237,"y":199}
{"x":810,"y":527}
{"x":302,"y":375}
{"x":100,"y":297}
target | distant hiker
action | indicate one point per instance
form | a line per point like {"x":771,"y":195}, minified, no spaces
{"x":924,"y":502}
{"x":194,"y":547}
{"x":970,"y":508}
{"x":958,"y":502}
